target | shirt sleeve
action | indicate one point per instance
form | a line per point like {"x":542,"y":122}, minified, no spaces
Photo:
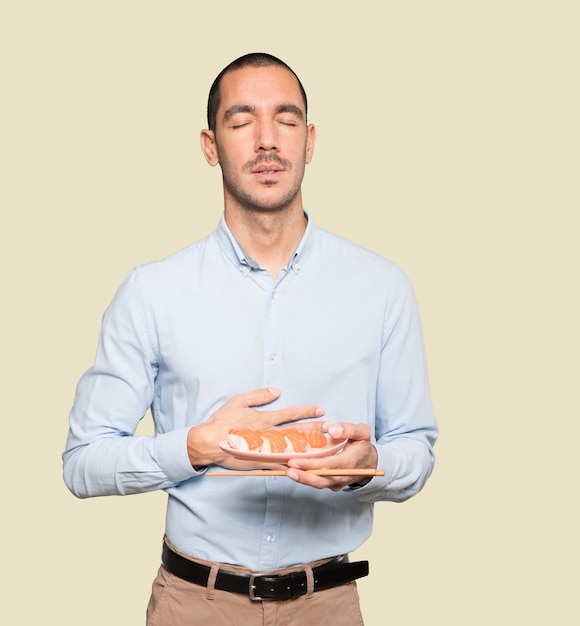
{"x":102,"y":455}
{"x":405,"y":424}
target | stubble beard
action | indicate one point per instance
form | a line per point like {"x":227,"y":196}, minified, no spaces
{"x":254,"y":202}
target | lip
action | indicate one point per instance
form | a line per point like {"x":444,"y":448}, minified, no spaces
{"x":267,"y":169}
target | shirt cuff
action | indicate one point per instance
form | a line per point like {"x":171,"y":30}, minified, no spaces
{"x":171,"y":453}
{"x":377,"y":484}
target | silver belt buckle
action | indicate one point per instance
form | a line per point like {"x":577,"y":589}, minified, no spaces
{"x":253,"y":595}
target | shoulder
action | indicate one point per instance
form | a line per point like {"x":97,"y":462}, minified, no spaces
{"x":161,"y":279}
{"x":347,"y":251}
{"x":180,"y":261}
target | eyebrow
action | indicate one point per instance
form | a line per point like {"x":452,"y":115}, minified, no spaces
{"x":237,"y":108}
{"x":290,"y":108}
{"x":246,"y":108}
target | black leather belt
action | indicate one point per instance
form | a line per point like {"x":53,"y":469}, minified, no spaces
{"x":266,"y":586}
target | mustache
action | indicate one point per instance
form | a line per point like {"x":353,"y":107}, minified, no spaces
{"x":264,"y":157}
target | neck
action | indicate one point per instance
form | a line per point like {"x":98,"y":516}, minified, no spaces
{"x":269,"y":237}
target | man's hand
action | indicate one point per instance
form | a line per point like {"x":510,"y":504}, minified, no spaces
{"x":359,"y":453}
{"x":239,"y":412}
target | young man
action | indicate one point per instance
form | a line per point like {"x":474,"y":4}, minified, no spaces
{"x":269,"y":321}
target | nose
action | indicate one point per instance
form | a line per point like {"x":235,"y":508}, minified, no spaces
{"x":266,"y":136}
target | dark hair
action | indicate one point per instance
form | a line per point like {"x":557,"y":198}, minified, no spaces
{"x":253,"y":59}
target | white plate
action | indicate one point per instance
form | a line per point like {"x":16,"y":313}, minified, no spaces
{"x":334,"y":447}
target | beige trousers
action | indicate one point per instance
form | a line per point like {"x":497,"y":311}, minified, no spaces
{"x":176,"y":602}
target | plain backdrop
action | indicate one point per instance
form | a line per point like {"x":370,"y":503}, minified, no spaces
{"x":448,"y":141}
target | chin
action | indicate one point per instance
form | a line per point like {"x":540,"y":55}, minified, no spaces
{"x":273,"y":205}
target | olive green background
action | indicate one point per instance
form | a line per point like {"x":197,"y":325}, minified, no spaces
{"x":448,"y":141}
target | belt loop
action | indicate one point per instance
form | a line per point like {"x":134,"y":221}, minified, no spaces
{"x":211,"y":581}
{"x":309,"y":582}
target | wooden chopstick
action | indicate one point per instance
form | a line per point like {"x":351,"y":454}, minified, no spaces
{"x":317,"y":472}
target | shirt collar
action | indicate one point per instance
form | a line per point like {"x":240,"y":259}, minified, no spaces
{"x":238,"y":256}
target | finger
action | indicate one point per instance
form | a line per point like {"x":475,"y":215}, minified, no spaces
{"x":326,"y":462}
{"x":296,"y":413}
{"x":347,"y":430}
{"x":319,"y":426}
{"x":258,"y":397}
{"x":318,"y":482}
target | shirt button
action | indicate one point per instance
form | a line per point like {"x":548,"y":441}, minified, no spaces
{"x":273,"y":356}
{"x":274,"y":295}
{"x":297,"y":266}
{"x":270,"y":538}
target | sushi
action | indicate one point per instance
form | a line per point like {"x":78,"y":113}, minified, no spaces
{"x":286,"y":440}
{"x":273,"y":441}
{"x":296,"y":441}
{"x":245,"y":439}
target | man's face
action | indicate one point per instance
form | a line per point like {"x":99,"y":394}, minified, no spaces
{"x":261,"y":140}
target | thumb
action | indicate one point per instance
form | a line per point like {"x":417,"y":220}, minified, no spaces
{"x":354,"y":432}
{"x":334,"y":430}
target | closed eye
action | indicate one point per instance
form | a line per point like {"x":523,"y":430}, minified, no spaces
{"x":237,"y":115}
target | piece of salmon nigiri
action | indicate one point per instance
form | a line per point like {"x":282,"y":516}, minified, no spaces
{"x":244,"y":439}
{"x":295,"y":440}
{"x":315,"y":438}
{"x":273,"y":441}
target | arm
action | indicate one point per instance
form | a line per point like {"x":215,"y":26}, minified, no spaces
{"x":404,"y":423}
{"x":102,"y":455}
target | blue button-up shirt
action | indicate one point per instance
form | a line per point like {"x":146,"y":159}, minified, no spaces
{"x":338,"y":328}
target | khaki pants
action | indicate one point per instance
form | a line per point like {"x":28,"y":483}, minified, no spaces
{"x":176,"y":602}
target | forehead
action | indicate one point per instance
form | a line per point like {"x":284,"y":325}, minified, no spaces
{"x":260,"y":87}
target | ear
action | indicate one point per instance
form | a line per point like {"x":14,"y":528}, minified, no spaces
{"x":209,"y":147}
{"x":310,"y":142}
